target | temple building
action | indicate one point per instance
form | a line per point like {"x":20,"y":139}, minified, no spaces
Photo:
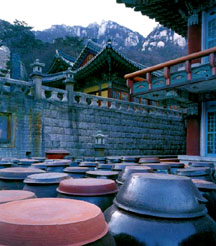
{"x":97,"y":70}
{"x":193,"y":85}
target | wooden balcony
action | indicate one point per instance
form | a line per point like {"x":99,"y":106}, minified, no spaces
{"x":191,"y":83}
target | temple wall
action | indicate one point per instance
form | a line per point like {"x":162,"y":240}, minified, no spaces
{"x":39,"y":125}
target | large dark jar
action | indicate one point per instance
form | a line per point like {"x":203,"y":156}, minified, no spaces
{"x":44,"y":184}
{"x":208,"y":190}
{"x":53,"y":222}
{"x":12,"y":178}
{"x":100,"y":192}
{"x":160,"y":209}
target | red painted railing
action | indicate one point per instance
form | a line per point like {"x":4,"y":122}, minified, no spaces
{"x":145,"y":74}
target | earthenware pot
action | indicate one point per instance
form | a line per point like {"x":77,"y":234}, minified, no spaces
{"x":101,"y":160}
{"x":91,"y":165}
{"x":100,"y":192}
{"x":12,"y":178}
{"x":76,"y":172}
{"x":40,"y":165}
{"x":158,"y":167}
{"x":204,"y":164}
{"x":57,"y":166}
{"x":15,"y":195}
{"x":56,"y":153}
{"x":208,"y":190}
{"x":102,"y":174}
{"x":160,"y":209}
{"x":130,"y":159}
{"x":27,"y":162}
{"x":174,"y":166}
{"x":129,"y":170}
{"x":53,"y":222}
{"x":105,"y":166}
{"x":121,"y":166}
{"x":203,"y":173}
{"x":6,"y":164}
{"x":45,"y":184}
{"x":89,"y":159}
{"x":113,"y":159}
{"x":149,"y":160}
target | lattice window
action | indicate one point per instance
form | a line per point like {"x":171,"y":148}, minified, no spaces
{"x":211,"y":133}
{"x":211,"y":29}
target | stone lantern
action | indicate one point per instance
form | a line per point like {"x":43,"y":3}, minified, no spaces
{"x":99,"y":144}
{"x":69,"y":82}
{"x":37,"y":77}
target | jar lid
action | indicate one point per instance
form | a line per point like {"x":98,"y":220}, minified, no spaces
{"x":90,"y":159}
{"x":161,"y":195}
{"x":149,"y":160}
{"x":15,"y":195}
{"x":132,"y":169}
{"x":194,"y":171}
{"x":156,"y":166}
{"x":203,"y":184}
{"x":130,"y":159}
{"x":18,"y":173}
{"x":57,"y":151}
{"x":174,"y":164}
{"x":88,"y":164}
{"x":58,"y":163}
{"x":76,"y":169}
{"x":169,"y":160}
{"x":41,"y":165}
{"x":87,"y":187}
{"x":108,"y":174}
{"x":114,"y":159}
{"x":27,"y":161}
{"x":46,"y":178}
{"x":202,"y":164}
{"x":51,"y":222}
{"x":100,"y":158}
{"x":121,"y":166}
{"x":39,"y":158}
{"x":105,"y":166}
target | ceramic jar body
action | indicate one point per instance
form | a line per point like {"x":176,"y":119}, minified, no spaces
{"x":129,"y":228}
{"x":103,"y":201}
{"x":42,"y":190}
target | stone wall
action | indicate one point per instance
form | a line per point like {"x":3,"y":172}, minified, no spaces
{"x":39,"y":125}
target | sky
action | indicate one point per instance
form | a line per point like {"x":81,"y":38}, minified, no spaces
{"x":42,"y":14}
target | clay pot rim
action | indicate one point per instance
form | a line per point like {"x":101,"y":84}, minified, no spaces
{"x":30,"y":179}
{"x":76,"y":169}
{"x":94,"y":214}
{"x":144,"y":207}
{"x":102,"y":173}
{"x":194,"y":171}
{"x":87,"y":194}
{"x":8,"y":174}
{"x":18,"y":195}
{"x":57,"y":151}
{"x":203,"y":184}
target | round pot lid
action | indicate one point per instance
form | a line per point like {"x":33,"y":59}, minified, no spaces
{"x":161,"y":195}
{"x":57,"y":151}
{"x":102,"y":173}
{"x":51,"y":222}
{"x":100,"y":158}
{"x":2,"y":162}
{"x":27,"y":161}
{"x":129,"y":159}
{"x":202,"y":164}
{"x":87,"y":187}
{"x":58,"y":163}
{"x":88,"y":164}
{"x":105,"y":166}
{"x":46,"y":178}
{"x":121,"y":166}
{"x":90,"y":159}
{"x":76,"y":169}
{"x":174,"y":164}
{"x":149,"y":160}
{"x":39,"y":165}
{"x":194,"y":171}
{"x":18,"y":173}
{"x":203,"y":184}
{"x":156,"y":166}
{"x":15,"y":195}
{"x":169,"y":160}
{"x":114,"y":159}
{"x":132,"y":169}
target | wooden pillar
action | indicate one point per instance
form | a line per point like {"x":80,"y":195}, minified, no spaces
{"x":193,"y":131}
{"x":194,"y":40}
